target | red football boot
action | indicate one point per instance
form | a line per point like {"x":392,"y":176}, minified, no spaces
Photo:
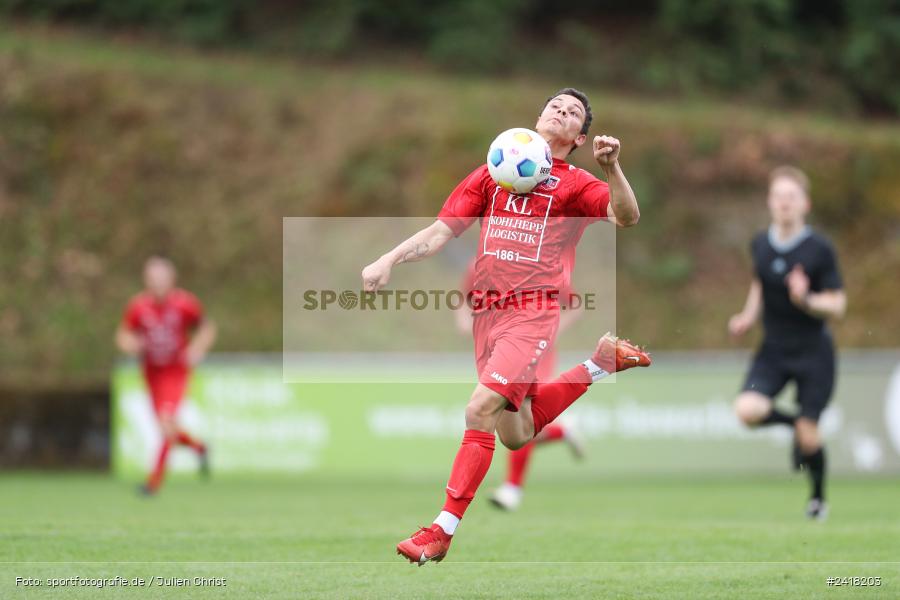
{"x":614,"y":354}
{"x":426,"y":544}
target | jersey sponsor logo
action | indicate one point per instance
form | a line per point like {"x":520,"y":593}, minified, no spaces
{"x":516,"y":225}
{"x":498,"y":377}
{"x":520,"y":208}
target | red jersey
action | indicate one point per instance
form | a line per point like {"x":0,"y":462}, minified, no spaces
{"x":527,"y":240}
{"x":164,"y":325}
{"x":467,"y":285}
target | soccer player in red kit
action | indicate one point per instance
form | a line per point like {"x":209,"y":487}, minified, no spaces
{"x":509,"y":495}
{"x":166,"y":328}
{"x":519,"y":270}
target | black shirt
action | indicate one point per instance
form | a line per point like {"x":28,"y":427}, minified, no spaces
{"x":784,"y":323}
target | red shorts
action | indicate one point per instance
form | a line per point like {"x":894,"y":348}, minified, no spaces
{"x":510,"y":347}
{"x":166,"y":385}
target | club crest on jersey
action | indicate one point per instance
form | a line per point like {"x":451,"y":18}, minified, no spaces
{"x":779,"y":266}
{"x":550,"y":183}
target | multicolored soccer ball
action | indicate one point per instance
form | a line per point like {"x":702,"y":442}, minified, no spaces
{"x":519,"y":160}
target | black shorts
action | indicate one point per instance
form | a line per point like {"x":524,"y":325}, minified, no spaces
{"x":810,"y":365}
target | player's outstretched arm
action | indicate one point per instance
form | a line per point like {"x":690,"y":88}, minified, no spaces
{"x":740,"y":323}
{"x":623,"y":207}
{"x":421,"y":245}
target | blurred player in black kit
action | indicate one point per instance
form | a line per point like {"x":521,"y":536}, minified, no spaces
{"x":796,"y":287}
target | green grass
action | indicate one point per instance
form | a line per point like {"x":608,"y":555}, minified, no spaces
{"x":321,"y":537}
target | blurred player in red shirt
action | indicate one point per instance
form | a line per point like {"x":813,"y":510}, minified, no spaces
{"x":519,"y":269}
{"x":509,"y":495}
{"x":165,"y":327}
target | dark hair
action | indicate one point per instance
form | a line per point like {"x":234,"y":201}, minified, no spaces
{"x":588,"y":116}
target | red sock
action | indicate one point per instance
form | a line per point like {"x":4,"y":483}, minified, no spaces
{"x":518,"y":463}
{"x":185,"y":440}
{"x":159,"y":471}
{"x":469,"y":468}
{"x":551,"y":399}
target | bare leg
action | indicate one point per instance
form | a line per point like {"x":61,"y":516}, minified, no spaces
{"x":752,"y":408}
{"x":516,"y":428}
{"x":484,"y":409}
{"x":807,"y":435}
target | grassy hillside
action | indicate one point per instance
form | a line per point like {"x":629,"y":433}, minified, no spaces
{"x":111,"y":150}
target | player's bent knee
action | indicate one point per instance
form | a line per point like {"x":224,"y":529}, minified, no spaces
{"x":751,"y":408}
{"x":514,"y":428}
{"x":512,"y":442}
{"x":745,"y":412}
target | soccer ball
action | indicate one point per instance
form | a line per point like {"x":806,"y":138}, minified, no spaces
{"x":519,"y":159}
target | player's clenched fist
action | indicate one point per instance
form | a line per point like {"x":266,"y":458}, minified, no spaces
{"x":740,"y":324}
{"x":606,"y":150}
{"x":376,"y":275}
{"x":797,"y":282}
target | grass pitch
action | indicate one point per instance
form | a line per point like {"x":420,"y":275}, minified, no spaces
{"x":322,"y":537}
